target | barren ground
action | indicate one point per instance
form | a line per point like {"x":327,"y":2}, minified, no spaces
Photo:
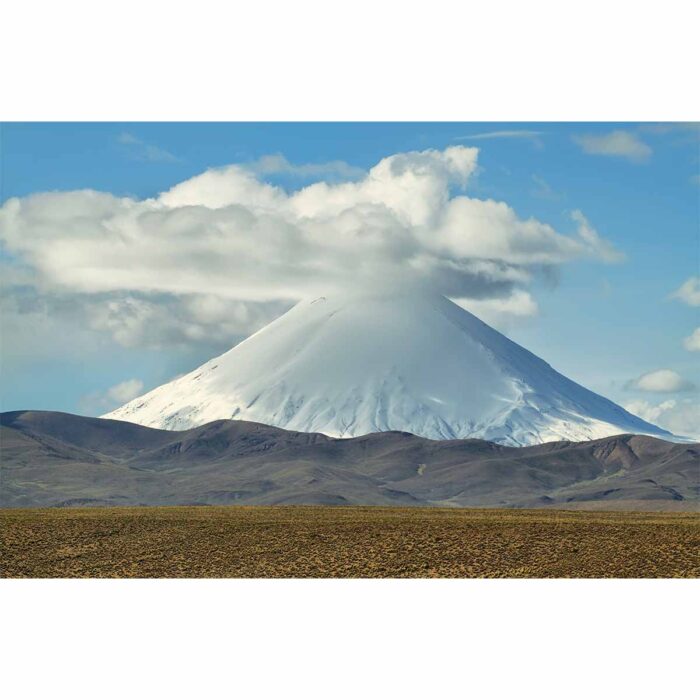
{"x":320,"y":541}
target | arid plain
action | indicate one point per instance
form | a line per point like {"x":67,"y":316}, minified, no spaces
{"x":348,"y":542}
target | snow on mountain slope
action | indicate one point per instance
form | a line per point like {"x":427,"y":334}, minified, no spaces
{"x":368,"y":363}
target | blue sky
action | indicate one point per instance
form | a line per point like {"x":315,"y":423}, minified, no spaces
{"x":602,"y":324}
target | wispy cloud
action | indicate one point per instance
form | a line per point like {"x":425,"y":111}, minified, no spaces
{"x":689,"y":292}
{"x":692,"y":342}
{"x":140,"y":150}
{"x":606,"y":251}
{"x":99,"y":401}
{"x":660,"y":381}
{"x":542,"y":189}
{"x":513,"y":134}
{"x":532,"y":136}
{"x":620,"y":143}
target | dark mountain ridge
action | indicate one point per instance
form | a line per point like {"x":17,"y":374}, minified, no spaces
{"x":59,"y":459}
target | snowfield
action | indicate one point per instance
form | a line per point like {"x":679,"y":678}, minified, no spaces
{"x":369,"y":363}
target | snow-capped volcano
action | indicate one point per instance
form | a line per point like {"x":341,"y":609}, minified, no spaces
{"x":417,"y":363}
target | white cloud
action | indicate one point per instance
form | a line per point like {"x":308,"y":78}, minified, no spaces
{"x":681,"y":417}
{"x":36,"y":327}
{"x":166,"y":321}
{"x":647,"y":411}
{"x":45,"y":324}
{"x":277,"y":164}
{"x":619,"y":143}
{"x":542,"y":189}
{"x":125,"y":391}
{"x":214,"y":189}
{"x":692,"y":342}
{"x":98,"y":402}
{"x":502,"y":312}
{"x":689,"y":292}
{"x":144,"y":267}
{"x":660,"y":381}
{"x":140,"y":150}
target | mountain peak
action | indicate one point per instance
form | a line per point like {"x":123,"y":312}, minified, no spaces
{"x":380,"y":360}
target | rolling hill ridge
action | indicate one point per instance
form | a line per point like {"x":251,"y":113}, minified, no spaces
{"x":58,"y":459}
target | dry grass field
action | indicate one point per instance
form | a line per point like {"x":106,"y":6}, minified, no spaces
{"x":319,"y":541}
